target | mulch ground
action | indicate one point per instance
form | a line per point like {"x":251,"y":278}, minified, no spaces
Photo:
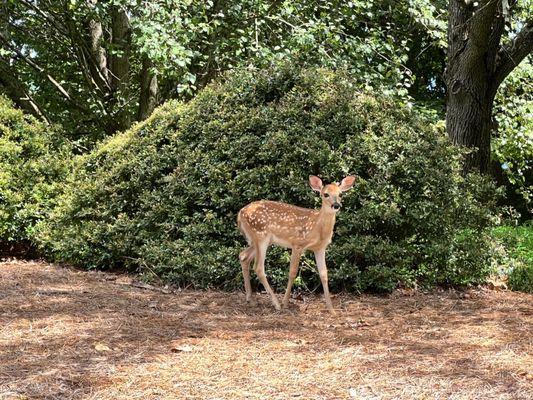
{"x":69,"y":334}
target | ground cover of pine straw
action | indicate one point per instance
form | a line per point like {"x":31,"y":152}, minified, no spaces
{"x":68,"y":334}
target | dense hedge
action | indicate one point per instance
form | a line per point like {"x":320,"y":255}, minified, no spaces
{"x":33,"y":161}
{"x":163,"y":196}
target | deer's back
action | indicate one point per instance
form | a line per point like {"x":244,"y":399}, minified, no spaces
{"x":287,"y":224}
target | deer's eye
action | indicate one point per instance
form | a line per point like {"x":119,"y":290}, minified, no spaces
{"x":326,"y":195}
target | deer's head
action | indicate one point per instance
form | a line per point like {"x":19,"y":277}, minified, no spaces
{"x":331,"y":193}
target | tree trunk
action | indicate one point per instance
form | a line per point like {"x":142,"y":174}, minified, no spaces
{"x":120,"y":67}
{"x":476,"y":66}
{"x":98,"y":66}
{"x":469,"y":125}
{"x":469,"y":111}
{"x":149,"y":91}
{"x":469,"y":101}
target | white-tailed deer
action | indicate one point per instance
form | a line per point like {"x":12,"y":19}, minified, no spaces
{"x":300,"y":229}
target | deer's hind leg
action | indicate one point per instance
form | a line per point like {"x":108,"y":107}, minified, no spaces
{"x":245,"y":257}
{"x":259,"y":266}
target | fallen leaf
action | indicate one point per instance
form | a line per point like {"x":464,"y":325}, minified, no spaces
{"x":101,"y":347}
{"x":180,"y":348}
{"x":124,"y":280}
{"x":192,"y":306}
{"x":142,"y":285}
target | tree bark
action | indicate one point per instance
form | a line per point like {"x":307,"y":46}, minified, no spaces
{"x":149,"y":91}
{"x":469,"y":123}
{"x":475,"y":69}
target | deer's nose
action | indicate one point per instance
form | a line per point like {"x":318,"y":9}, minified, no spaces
{"x":336,"y":206}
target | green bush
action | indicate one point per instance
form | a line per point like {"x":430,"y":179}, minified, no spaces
{"x":163,"y":197}
{"x":32,"y":163}
{"x":518,"y":241}
{"x":513,"y":146}
{"x":521,"y":278}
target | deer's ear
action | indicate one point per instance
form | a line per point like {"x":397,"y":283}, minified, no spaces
{"x":315,"y":182}
{"x":347,"y":183}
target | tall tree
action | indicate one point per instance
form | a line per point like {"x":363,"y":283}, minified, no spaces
{"x":72,"y":62}
{"x":95,"y":66}
{"x":487,"y":39}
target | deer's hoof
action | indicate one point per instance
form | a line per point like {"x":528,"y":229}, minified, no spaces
{"x":251,"y":302}
{"x":332,"y":311}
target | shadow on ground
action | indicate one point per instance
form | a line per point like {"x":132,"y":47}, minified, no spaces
{"x":71,"y":334}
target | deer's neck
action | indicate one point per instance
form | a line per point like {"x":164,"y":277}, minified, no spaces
{"x":326,"y":222}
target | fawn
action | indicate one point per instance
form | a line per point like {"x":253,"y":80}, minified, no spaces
{"x":269,"y":222}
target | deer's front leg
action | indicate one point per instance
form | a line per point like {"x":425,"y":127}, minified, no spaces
{"x":293,"y":271}
{"x":320,"y":257}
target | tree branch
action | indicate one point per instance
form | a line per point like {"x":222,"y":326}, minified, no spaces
{"x":38,"y":68}
{"x":54,"y":23}
{"x":17,"y":92}
{"x":498,"y":27}
{"x":511,"y":55}
{"x":64,"y":28}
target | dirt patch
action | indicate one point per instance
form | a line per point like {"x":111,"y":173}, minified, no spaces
{"x":68,"y":334}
